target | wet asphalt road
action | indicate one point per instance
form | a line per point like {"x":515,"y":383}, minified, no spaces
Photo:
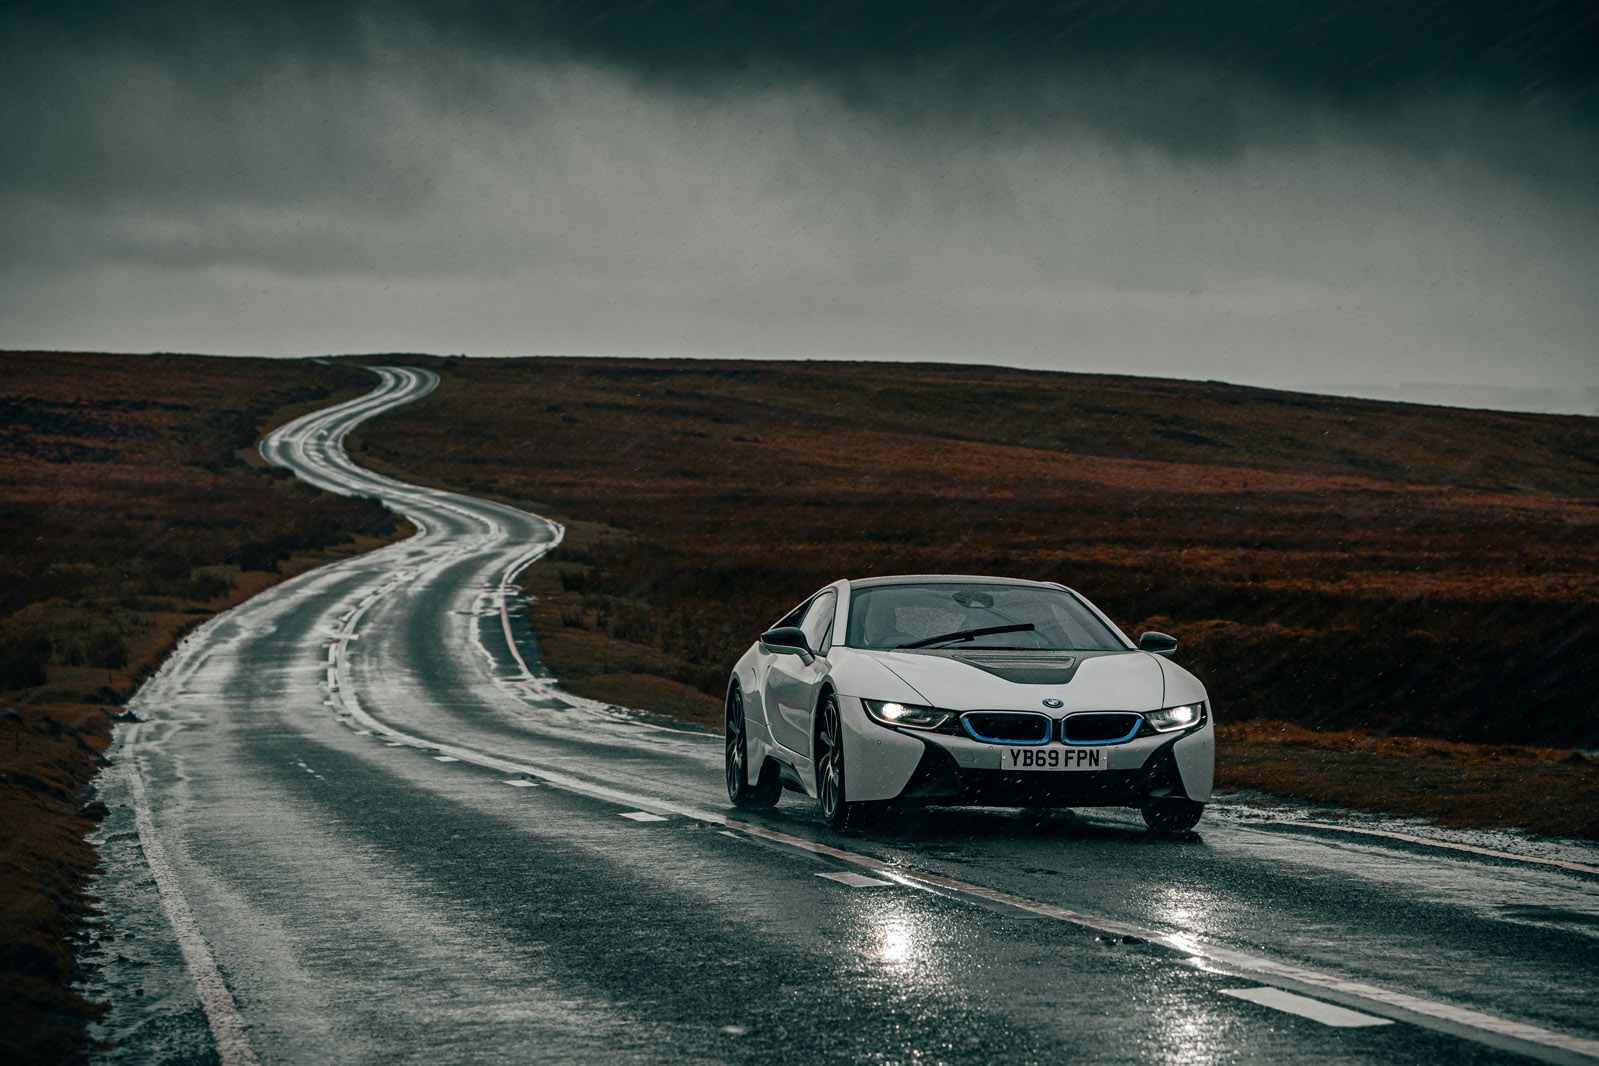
{"x":359,"y":824}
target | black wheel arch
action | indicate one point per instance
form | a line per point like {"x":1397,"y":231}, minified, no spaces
{"x":827,"y":689}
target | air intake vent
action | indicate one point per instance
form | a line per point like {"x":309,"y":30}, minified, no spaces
{"x":1024,"y":667}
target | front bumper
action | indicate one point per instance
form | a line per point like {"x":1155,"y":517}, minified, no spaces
{"x":940,"y":779}
{"x":915,"y":767}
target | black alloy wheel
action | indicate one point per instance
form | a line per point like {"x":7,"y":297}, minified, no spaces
{"x":765,"y":790}
{"x":830,"y":783}
{"x":1172,"y":815}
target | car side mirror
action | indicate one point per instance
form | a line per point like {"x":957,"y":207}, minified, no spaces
{"x":1159,"y":643}
{"x":788,"y":640}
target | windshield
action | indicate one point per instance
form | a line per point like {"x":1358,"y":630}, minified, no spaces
{"x":967,"y":615}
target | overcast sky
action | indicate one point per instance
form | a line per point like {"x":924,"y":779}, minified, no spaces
{"x":1264,"y":191}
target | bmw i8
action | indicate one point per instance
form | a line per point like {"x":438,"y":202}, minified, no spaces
{"x":940,"y":689}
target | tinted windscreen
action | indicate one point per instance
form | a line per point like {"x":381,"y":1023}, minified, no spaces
{"x":892,"y":616}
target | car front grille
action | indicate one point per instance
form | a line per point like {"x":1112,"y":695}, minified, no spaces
{"x":1100,"y":727}
{"x":1007,"y":727}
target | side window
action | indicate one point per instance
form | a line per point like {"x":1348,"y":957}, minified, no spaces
{"x":818,"y":623}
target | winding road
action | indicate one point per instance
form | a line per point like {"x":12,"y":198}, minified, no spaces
{"x":359,"y":823}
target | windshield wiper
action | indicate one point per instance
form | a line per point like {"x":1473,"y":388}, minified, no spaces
{"x":969,"y":634}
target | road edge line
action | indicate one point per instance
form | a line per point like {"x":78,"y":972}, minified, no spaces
{"x":221,"y":1012}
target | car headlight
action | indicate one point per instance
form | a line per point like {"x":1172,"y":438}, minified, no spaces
{"x":906,"y":714}
{"x":1176,"y":717}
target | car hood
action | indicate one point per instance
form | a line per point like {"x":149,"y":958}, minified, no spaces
{"x":1093,"y":681}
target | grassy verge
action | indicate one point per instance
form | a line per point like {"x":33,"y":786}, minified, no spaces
{"x":1549,"y":791}
{"x":132,"y":508}
{"x":586,"y":642}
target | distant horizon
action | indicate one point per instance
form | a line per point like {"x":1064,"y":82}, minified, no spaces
{"x":1578,"y":401}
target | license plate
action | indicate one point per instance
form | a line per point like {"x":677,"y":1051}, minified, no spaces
{"x":1052,"y":757}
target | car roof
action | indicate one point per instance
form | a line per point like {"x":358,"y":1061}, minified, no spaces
{"x":969,"y":579}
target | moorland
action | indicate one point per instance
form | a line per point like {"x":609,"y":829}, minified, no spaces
{"x":1391,"y":604}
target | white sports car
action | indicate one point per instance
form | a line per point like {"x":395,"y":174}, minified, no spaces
{"x":966,"y":690}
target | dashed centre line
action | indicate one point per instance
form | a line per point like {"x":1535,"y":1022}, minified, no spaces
{"x":856,"y":880}
{"x":1305,"y":1007}
{"x":642,"y":816}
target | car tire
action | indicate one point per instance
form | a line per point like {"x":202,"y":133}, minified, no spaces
{"x":1172,"y":815}
{"x":766,"y":787}
{"x":831,"y":786}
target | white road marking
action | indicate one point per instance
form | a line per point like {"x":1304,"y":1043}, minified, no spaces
{"x":1413,"y":839}
{"x":516,"y":566}
{"x":517,"y":782}
{"x":445,"y":758}
{"x":221,"y":1013}
{"x":699,"y":733}
{"x":857,"y":880}
{"x":642,"y":816}
{"x":505,"y":626}
{"x":1305,"y":1007}
{"x":396,"y":743}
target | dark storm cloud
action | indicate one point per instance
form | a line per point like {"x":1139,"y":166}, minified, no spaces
{"x":1352,"y":53}
{"x":1352,"y":48}
{"x":1187,"y":78}
{"x":1364,"y":54}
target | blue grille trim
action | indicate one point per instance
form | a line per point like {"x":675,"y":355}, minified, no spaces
{"x":1138,"y":723}
{"x":1049,"y":724}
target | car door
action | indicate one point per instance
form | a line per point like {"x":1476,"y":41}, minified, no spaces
{"x":792,"y":683}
